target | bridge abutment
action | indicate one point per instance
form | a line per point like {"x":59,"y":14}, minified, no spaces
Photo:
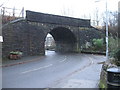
{"x":67,"y":47}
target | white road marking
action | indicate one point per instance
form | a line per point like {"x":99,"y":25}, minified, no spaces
{"x":92,"y":62}
{"x":91,"y":59}
{"x":63,"y":59}
{"x":37,"y":69}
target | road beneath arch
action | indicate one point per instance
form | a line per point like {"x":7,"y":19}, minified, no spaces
{"x":55,"y":70}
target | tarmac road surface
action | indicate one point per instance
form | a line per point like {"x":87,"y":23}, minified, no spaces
{"x":55,"y":70}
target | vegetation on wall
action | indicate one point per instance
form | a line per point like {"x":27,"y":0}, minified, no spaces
{"x":98,"y":44}
{"x":114,"y":50}
{"x":113,"y":45}
{"x":95,"y":46}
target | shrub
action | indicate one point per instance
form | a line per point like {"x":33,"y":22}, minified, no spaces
{"x":98,"y":43}
{"x":113,"y":45}
{"x":16,"y":52}
{"x":114,"y":51}
{"x":116,"y":55}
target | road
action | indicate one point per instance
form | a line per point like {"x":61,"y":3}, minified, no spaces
{"x":54,"y":70}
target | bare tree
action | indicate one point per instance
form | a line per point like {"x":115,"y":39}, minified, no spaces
{"x":5,"y":1}
{"x":67,"y":12}
{"x":112,"y":22}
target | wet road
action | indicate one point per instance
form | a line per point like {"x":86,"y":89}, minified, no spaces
{"x":53,"y":70}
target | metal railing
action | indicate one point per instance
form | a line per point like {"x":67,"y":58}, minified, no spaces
{"x":9,"y":14}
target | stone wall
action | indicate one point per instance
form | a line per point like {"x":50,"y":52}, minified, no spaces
{"x":103,"y":77}
{"x":56,"y":19}
{"x":88,"y":34}
{"x":29,"y":37}
{"x":21,"y":36}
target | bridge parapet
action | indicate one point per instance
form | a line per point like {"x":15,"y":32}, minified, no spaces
{"x":56,"y":19}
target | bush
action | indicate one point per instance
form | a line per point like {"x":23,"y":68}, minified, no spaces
{"x":14,"y":55}
{"x":114,"y":51}
{"x":116,"y":55}
{"x":113,"y":45}
{"x":16,"y":52}
{"x":98,"y":43}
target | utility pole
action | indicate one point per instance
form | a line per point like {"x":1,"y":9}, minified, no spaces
{"x":106,"y":29}
{"x":106,"y":32}
{"x":23,"y":12}
{"x":96,"y":14}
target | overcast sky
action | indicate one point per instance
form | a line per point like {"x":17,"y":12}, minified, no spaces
{"x":72,"y":8}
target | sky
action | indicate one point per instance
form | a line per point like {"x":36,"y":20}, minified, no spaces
{"x":73,"y":8}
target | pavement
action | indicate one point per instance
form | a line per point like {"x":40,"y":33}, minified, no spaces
{"x":23,"y":60}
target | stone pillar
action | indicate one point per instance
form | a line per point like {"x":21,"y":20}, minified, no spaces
{"x":65,"y":47}
{"x":78,"y":46}
{"x":78,"y":49}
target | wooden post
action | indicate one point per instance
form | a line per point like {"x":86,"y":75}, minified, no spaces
{"x":3,"y":12}
{"x":13,"y":11}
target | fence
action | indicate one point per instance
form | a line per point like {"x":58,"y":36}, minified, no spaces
{"x":9,"y":14}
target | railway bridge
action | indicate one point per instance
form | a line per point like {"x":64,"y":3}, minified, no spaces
{"x":28,"y":35}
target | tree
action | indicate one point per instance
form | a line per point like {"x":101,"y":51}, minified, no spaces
{"x":67,"y":11}
{"x":112,"y":23}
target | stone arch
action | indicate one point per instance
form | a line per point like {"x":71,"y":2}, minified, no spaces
{"x":64,"y":38}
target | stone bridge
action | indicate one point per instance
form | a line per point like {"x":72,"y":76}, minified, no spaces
{"x":28,"y":35}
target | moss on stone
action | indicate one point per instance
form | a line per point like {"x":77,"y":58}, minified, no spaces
{"x":102,"y":84}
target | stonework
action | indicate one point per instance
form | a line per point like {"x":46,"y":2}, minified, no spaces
{"x":29,"y":37}
{"x":21,"y":36}
{"x":55,"y":19}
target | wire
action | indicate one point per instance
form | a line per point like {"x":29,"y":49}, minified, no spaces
{"x":4,"y":3}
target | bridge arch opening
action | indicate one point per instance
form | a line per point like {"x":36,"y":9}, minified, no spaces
{"x":64,"y":39}
{"x":50,"y":42}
